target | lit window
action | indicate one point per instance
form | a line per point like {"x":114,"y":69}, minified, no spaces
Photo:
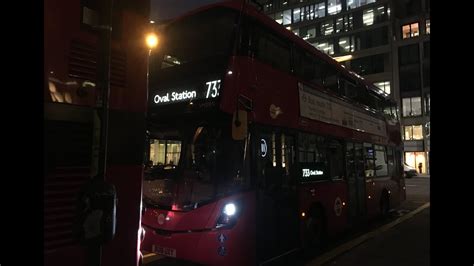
{"x":410,"y":30}
{"x":414,"y":132}
{"x":368,"y":17}
{"x":296,"y":15}
{"x":312,"y":9}
{"x":384,"y":86}
{"x":427,"y":104}
{"x":165,"y":151}
{"x":334,"y":7}
{"x":326,"y":47}
{"x":427,"y":26}
{"x":346,"y":44}
{"x":320,"y":10}
{"x":279,"y":17}
{"x":327,"y":27}
{"x":339,"y":24}
{"x":287,"y":17}
{"x":348,"y":24}
{"x":296,"y":32}
{"x":307,"y":33}
{"x":352,"y":4}
{"x":411,"y":106}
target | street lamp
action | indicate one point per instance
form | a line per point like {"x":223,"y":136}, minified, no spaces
{"x":151,"y":40}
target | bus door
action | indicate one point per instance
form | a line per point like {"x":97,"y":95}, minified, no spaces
{"x":355,"y":181}
{"x":277,"y":213}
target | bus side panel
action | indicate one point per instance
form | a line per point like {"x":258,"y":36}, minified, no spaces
{"x":375,"y":187}
{"x":333,"y":198}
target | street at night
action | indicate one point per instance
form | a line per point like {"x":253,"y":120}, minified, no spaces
{"x":237,"y":132}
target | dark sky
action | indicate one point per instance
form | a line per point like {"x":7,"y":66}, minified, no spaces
{"x":165,"y":9}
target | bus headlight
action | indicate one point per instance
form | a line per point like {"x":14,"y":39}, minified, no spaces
{"x":228,"y":216}
{"x":230,"y":209}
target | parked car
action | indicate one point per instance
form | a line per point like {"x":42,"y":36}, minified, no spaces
{"x":409,"y":171}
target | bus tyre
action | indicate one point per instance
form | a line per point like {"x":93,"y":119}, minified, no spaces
{"x":384,"y":205}
{"x":316,"y":233}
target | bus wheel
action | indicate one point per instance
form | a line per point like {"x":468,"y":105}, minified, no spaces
{"x":384,"y":205}
{"x":316,"y":233}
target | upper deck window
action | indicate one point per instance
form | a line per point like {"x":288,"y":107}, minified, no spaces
{"x":197,"y":37}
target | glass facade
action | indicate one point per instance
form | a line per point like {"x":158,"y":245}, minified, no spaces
{"x":343,"y":27}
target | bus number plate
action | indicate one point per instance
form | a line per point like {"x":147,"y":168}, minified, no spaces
{"x":169,"y":252}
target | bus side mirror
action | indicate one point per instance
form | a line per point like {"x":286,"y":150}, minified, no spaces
{"x":239,"y":125}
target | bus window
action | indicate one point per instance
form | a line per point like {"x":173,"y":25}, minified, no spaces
{"x":198,"y":37}
{"x":271,"y":49}
{"x":369,"y":160}
{"x":390,"y":161}
{"x":349,"y":89}
{"x":380,"y":161}
{"x":335,"y":159}
{"x":288,"y":158}
{"x":304,"y":66}
{"x":165,"y":152}
{"x":312,"y":159}
{"x":330,"y":78}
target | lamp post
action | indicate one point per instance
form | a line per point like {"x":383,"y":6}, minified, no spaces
{"x":151,"y":40}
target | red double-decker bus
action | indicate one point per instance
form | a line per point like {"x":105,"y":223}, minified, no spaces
{"x":260,"y":144}
{"x":83,"y":209}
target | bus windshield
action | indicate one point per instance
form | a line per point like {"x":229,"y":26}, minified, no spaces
{"x":200,"y":36}
{"x":204,"y":163}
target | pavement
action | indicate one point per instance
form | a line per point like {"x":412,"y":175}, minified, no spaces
{"x":403,"y":240}
{"x":405,"y":243}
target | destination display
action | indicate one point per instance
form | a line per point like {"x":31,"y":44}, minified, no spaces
{"x":313,"y":171}
{"x":206,"y":90}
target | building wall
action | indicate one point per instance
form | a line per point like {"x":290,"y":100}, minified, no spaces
{"x":391,"y":14}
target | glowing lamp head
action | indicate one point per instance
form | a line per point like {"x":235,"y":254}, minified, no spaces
{"x":151,"y":40}
{"x":230,"y":209}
